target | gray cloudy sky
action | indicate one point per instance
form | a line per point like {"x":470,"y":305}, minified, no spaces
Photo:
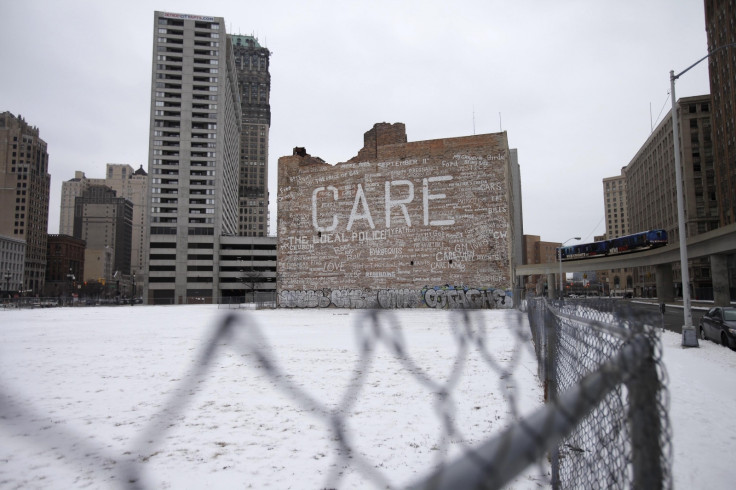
{"x":572,"y":82}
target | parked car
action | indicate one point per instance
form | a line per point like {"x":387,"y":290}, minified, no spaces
{"x":719,"y":324}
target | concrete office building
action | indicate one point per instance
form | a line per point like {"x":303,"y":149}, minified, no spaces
{"x":254,"y":80}
{"x":24,"y":195}
{"x":651,"y":189}
{"x":617,"y":282}
{"x":127,"y":183}
{"x":12,"y":263}
{"x":105,"y":222}
{"x":247,"y":269}
{"x":615,"y":203}
{"x":194,"y":157}
{"x":720,"y":28}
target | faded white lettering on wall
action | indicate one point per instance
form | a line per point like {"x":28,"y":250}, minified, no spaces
{"x":375,"y":233}
{"x":314,"y":208}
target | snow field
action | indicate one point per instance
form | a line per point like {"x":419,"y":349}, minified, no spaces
{"x":87,"y":385}
{"x":81,"y":387}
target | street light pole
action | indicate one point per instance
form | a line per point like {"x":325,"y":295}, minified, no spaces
{"x":71,"y":278}
{"x":684,"y":271}
{"x":689,"y":338}
{"x":559,"y":258}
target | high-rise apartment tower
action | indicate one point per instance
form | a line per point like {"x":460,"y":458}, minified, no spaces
{"x":254,"y":79}
{"x":193,"y":165}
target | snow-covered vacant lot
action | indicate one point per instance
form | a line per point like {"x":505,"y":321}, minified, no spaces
{"x":82,"y":391}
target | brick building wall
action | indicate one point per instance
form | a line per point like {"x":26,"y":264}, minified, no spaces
{"x":537,"y":251}
{"x":399,"y":225}
{"x":65,"y":258}
{"x":380,"y":135}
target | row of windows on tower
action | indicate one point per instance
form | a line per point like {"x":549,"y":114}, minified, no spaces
{"x":257,"y":63}
{"x":167,"y":31}
{"x":192,"y":230}
{"x":177,"y":44}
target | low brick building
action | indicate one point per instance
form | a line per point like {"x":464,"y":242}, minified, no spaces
{"x":64,"y":265}
{"x":402,"y":224}
{"x":537,"y":251}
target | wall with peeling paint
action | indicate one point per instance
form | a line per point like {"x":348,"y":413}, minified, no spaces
{"x":399,"y":216}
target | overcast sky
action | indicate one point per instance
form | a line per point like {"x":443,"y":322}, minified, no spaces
{"x":576,"y":84}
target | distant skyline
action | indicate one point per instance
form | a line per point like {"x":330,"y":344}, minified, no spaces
{"x":577,"y":85}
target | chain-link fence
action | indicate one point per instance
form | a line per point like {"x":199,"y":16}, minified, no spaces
{"x":601,"y":363}
{"x":605,"y":424}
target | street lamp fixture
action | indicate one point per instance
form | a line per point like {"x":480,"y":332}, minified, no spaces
{"x":71,"y":278}
{"x":689,"y":338}
{"x":559,"y":258}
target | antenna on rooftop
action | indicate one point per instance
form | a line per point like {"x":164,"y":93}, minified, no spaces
{"x":500,"y":124}
{"x":651,"y":123}
{"x":473,"y":120}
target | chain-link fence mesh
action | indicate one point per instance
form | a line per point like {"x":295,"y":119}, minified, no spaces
{"x":624,"y":440}
{"x":593,"y":363}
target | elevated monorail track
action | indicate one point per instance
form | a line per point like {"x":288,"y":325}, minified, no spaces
{"x":719,"y":241}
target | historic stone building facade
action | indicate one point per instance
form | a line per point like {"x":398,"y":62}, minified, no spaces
{"x":12,"y":264}
{"x":254,"y":82}
{"x":105,"y":222}
{"x":126,"y":182}
{"x":644,"y":196}
{"x":402,"y":224}
{"x":617,"y":282}
{"x":24,"y":195}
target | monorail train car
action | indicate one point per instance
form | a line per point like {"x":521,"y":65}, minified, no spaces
{"x":626,"y":244}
